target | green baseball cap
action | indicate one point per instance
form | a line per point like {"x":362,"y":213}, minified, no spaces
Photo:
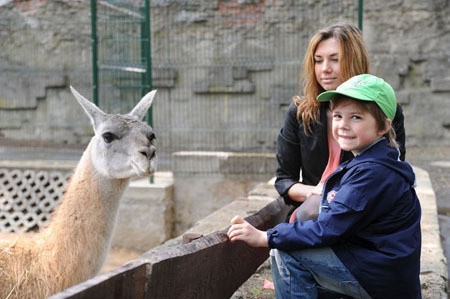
{"x":366,"y":87}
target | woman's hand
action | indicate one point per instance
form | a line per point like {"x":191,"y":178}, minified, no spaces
{"x":317,"y":190}
{"x":299,"y":192}
{"x":244,"y":231}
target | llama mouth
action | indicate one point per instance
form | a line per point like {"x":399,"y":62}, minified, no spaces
{"x":142,"y":171}
{"x":145,"y":167}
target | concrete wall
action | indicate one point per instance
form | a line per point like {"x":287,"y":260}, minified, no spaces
{"x":46,"y":47}
{"x":407,"y":43}
{"x":207,"y":181}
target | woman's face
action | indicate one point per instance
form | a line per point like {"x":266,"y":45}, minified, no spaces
{"x":326,"y":64}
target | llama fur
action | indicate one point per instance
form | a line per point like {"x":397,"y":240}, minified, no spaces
{"x":74,"y":245}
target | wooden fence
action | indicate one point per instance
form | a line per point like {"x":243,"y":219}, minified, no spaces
{"x":207,"y":267}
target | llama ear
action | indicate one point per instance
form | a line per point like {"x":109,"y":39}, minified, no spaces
{"x":144,"y":104}
{"x":94,"y":113}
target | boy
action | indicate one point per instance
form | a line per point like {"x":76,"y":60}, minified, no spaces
{"x":366,"y":241}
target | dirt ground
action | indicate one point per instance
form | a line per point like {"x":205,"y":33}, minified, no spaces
{"x":118,"y":257}
{"x":254,"y":288}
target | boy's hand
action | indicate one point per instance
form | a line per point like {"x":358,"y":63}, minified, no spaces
{"x":244,"y":231}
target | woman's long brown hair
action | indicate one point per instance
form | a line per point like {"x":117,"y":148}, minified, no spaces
{"x":353,"y":60}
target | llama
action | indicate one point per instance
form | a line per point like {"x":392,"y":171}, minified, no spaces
{"x":74,"y":245}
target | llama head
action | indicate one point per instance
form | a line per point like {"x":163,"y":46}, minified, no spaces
{"x":122,"y":146}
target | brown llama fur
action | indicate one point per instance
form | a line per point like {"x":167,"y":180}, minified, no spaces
{"x":74,"y":245}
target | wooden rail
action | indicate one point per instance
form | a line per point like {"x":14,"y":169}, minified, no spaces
{"x":207,"y":267}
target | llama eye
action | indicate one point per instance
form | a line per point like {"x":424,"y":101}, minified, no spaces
{"x":109,"y":137}
{"x":151,"y":136}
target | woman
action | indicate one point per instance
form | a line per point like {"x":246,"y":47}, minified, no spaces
{"x":334,"y":54}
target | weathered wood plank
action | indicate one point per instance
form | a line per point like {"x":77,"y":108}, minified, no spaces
{"x":208,"y":267}
{"x":211,"y":266}
{"x":125,"y":282}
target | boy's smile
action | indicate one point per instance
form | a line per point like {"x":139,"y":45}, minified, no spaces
{"x":353,"y":128}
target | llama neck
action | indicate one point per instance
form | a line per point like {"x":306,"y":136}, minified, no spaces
{"x":81,"y":230}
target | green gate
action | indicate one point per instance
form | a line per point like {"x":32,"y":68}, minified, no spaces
{"x":121,"y":55}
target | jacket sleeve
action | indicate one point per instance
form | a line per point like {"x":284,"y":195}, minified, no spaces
{"x":399,"y":128}
{"x":288,"y":155}
{"x":350,"y":210}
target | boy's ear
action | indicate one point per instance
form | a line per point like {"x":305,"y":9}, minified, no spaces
{"x":388,"y":126}
{"x":389,"y":122}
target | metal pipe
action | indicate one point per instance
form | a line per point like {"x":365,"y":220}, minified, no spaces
{"x":94,"y":44}
{"x":360,"y":14}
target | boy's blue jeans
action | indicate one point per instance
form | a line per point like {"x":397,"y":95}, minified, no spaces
{"x":297,"y":274}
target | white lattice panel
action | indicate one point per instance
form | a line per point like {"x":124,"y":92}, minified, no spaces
{"x":27,"y":197}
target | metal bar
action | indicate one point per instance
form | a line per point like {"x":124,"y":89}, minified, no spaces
{"x":130,"y":69}
{"x":121,"y":10}
{"x":360,"y":14}
{"x":94,"y":44}
{"x":146,"y":56}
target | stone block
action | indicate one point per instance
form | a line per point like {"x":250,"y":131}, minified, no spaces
{"x":190,"y":163}
{"x":239,"y":72}
{"x":282,"y":94}
{"x":161,"y":73}
{"x":207,"y":181}
{"x":22,"y":90}
{"x":440,"y":84}
{"x":145,"y":217}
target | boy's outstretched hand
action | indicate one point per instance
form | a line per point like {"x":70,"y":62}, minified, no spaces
{"x":244,"y":231}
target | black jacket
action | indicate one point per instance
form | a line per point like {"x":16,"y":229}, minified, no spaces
{"x":307,"y":155}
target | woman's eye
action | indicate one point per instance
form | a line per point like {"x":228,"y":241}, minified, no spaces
{"x":109,"y":137}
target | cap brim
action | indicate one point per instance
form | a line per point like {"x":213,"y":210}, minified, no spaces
{"x":332,"y":94}
{"x":327,"y":96}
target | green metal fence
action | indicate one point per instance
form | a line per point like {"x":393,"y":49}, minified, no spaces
{"x":121,"y":54}
{"x":225,"y":70}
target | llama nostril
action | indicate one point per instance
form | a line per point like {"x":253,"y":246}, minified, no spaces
{"x":148,"y":153}
{"x":152,"y":152}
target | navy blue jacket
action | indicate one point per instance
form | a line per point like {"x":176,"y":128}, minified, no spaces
{"x":298,"y":152}
{"x":370,"y":217}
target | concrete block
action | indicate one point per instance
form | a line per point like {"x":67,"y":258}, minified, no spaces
{"x":207,"y":181}
{"x":145,"y":217}
{"x":440,"y":84}
{"x":187,"y":163}
{"x":433,"y":272}
{"x":22,"y":90}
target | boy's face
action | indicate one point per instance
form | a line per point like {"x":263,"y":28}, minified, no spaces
{"x":353,"y":128}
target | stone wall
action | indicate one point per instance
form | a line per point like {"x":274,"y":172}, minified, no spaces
{"x":220,"y":59}
{"x":408,"y":42}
